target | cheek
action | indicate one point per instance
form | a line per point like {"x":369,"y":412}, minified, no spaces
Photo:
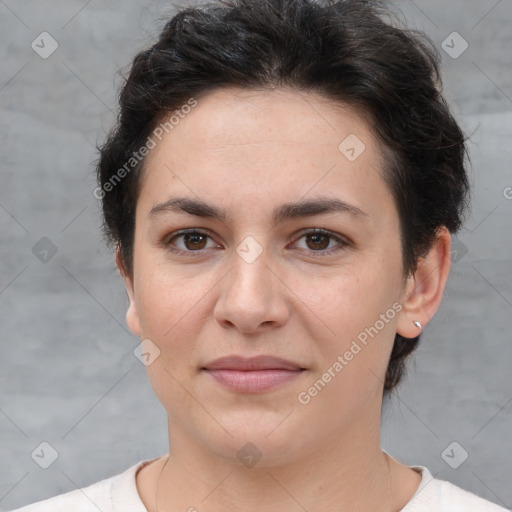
{"x":353,"y":341}
{"x":347,"y":301}
{"x":170,"y":304}
{"x":345,"y":311}
{"x":171,"y":311}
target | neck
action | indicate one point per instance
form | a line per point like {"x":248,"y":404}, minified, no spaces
{"x":348,"y":472}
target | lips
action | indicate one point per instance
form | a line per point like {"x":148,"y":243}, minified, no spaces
{"x":252,"y":375}
{"x":252,"y":364}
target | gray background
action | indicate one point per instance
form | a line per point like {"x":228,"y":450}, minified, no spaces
{"x":68,"y":373}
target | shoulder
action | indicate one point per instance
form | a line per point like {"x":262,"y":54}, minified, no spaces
{"x":87,"y":499}
{"x":442,"y":496}
{"x":106,"y":495}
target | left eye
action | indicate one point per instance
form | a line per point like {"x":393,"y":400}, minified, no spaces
{"x":319,"y":241}
{"x":192,"y":240}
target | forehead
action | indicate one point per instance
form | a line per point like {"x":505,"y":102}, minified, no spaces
{"x":267,"y":145}
{"x":232,"y":116}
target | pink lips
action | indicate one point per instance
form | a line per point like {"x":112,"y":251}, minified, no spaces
{"x":252,"y":375}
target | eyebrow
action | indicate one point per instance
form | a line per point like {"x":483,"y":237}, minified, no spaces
{"x":284,"y":212}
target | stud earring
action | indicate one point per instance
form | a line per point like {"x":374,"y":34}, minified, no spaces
{"x":418,"y":325}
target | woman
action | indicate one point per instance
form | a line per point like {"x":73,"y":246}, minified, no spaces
{"x":280,"y":188}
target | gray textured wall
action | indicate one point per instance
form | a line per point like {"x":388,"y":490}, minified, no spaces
{"x":68,"y":374}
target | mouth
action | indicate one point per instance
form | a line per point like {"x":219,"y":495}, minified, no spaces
{"x":252,"y":375}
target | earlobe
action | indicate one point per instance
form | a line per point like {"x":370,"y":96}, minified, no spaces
{"x":132,"y":315}
{"x":424,"y":289}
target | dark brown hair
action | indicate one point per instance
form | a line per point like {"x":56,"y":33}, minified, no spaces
{"x":353,"y":52}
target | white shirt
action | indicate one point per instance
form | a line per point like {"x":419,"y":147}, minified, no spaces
{"x":119,"y":494}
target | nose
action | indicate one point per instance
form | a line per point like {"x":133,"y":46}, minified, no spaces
{"x":252,"y":297}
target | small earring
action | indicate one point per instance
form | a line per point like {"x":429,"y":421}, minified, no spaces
{"x":418,"y":325}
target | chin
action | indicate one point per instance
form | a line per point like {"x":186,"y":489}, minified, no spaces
{"x":258,"y":439}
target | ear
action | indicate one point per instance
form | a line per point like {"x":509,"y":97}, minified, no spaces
{"x":132,"y":315}
{"x":424,"y":289}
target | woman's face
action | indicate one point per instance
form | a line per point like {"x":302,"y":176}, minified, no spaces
{"x":258,"y":282}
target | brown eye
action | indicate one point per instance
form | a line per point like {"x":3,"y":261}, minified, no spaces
{"x":194,"y":241}
{"x":188,"y":242}
{"x":317,"y":241}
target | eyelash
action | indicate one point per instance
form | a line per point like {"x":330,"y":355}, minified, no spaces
{"x":316,"y":231}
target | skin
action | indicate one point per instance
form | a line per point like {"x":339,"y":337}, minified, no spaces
{"x":249,"y":152}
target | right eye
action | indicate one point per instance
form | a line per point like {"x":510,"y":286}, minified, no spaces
{"x":192,"y":241}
